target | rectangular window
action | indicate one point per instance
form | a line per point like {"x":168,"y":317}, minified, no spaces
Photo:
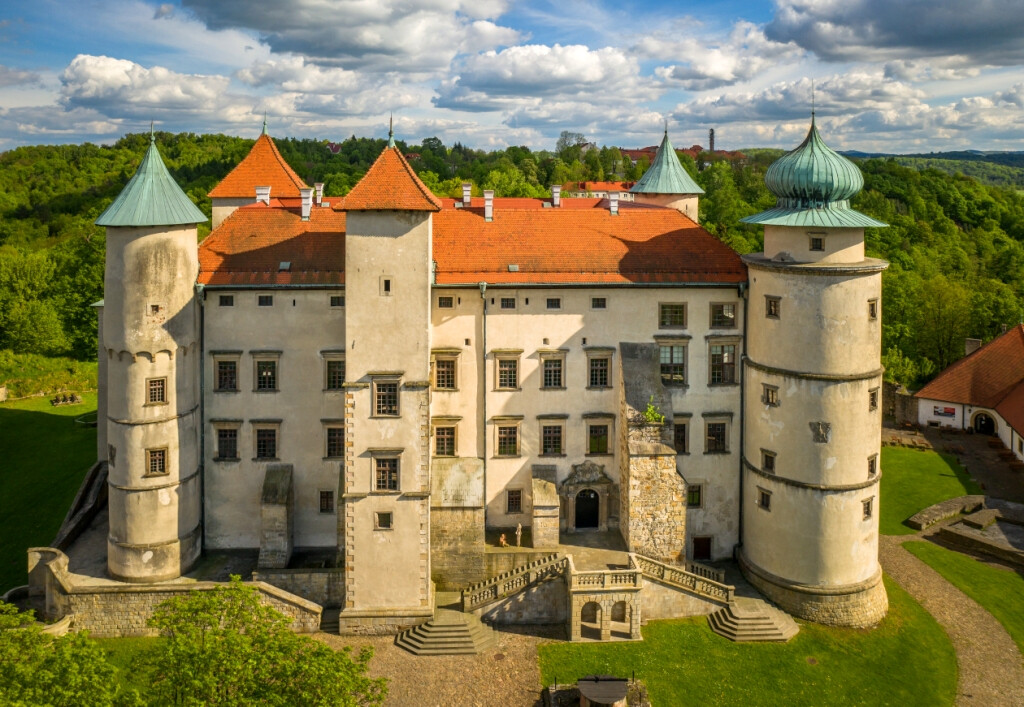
{"x":385,"y":394}
{"x":327,"y":501}
{"x":444,"y":441}
{"x":227,"y":375}
{"x":444,"y":374}
{"x":552,"y":373}
{"x":227,"y":300}
{"x":554,"y":303}
{"x":872,"y":465}
{"x":598,"y":303}
{"x":227,"y":443}
{"x":508,"y":441}
{"x":694,"y":495}
{"x":772,"y":306}
{"x":445,"y":302}
{"x":157,"y":390}
{"x":265,"y":300}
{"x":770,"y":395}
{"x":716,"y":437}
{"x":680,"y":437}
{"x":336,"y":442}
{"x":867,"y":504}
{"x":673,"y":365}
{"x":764,"y":499}
{"x":723,"y":363}
{"x":385,"y":286}
{"x":817,"y":243}
{"x":335,"y":374}
{"x":157,"y":461}
{"x":597,"y":439}
{"x":266,"y":443}
{"x":514,"y":501}
{"x":508,"y":373}
{"x":599,"y":372}
{"x":382,"y":521}
{"x":266,"y":375}
{"x":723,"y":316}
{"x":768,"y":461}
{"x":672,"y":316}
{"x":508,"y":302}
{"x":873,"y":399}
{"x":551,"y":439}
{"x":872,"y":309}
{"x":337,"y":300}
{"x":387,"y":474}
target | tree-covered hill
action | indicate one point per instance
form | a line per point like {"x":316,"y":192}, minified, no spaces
{"x":955,"y":243}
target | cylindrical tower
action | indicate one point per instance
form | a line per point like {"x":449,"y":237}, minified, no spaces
{"x":667,"y":183}
{"x":151,"y":340}
{"x":812,"y":396}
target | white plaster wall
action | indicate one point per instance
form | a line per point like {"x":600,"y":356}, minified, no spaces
{"x":926,"y":414}
{"x":842,"y":245}
{"x":222,"y":208}
{"x":686,"y":203}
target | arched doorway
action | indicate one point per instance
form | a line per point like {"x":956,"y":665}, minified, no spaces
{"x":984,"y":424}
{"x":588,"y":508}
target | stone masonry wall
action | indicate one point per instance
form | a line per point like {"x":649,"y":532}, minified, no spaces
{"x":661,"y":601}
{"x":655,"y":499}
{"x":457,"y":547}
{"x":323,"y":586}
{"x":543,"y":603}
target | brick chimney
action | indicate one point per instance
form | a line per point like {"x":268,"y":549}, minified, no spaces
{"x":307,"y":202}
{"x":489,"y":205}
{"x":556,"y":195}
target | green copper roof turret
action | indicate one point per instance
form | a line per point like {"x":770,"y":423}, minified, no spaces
{"x":666,"y":175}
{"x":813,"y":186}
{"x":151,"y":198}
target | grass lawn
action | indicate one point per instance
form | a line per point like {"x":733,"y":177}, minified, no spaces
{"x":43,"y":458}
{"x":908,"y":660}
{"x":1000,"y":591}
{"x":914,"y":479}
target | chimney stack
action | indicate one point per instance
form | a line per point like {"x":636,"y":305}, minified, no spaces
{"x":556,"y":195}
{"x":319,"y":186}
{"x":263,"y":194}
{"x":467,"y":193}
{"x":489,"y":205}
{"x":711,"y":140}
{"x":307,"y":202}
{"x":613,"y":202}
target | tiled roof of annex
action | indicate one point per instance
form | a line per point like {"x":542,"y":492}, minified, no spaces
{"x":262,"y":167}
{"x":390,"y":185}
{"x":991,"y":377}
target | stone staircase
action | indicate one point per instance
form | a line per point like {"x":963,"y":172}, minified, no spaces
{"x":513,"y":581}
{"x":694,"y":578}
{"x":449,"y":633}
{"x":748,"y":619}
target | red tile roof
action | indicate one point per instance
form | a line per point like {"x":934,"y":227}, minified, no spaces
{"x":598,"y":186}
{"x":991,"y":377}
{"x":262,"y":167}
{"x":390,"y":185}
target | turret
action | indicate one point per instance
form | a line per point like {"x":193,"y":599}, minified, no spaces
{"x":666,"y":183}
{"x":812,"y":396}
{"x":150,"y":338}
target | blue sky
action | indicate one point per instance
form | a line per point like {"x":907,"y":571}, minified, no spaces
{"x":900,"y":76}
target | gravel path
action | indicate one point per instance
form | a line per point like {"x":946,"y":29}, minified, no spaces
{"x":507,"y":675}
{"x":991,"y":671}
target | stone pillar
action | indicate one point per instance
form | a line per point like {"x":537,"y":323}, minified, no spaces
{"x":277,"y":517}
{"x":545,"y":514}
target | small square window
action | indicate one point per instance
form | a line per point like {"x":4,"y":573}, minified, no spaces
{"x":335,"y":374}
{"x":764,"y":499}
{"x":673,"y":365}
{"x":872,"y":465}
{"x":385,"y":286}
{"x":444,"y":441}
{"x":154,"y":309}
{"x":227,"y":443}
{"x":227,"y":375}
{"x":327,"y":501}
{"x":817,"y":243}
{"x":767,"y":461}
{"x":873,"y":399}
{"x":598,"y":303}
{"x":508,"y":373}
{"x":694,"y":495}
{"x":266,"y":375}
{"x":867,"y":507}
{"x":772,"y":306}
{"x":444,"y":374}
{"x":227,"y":300}
{"x":598,"y":377}
{"x":872,"y":309}
{"x":597,"y":439}
{"x":266,"y":443}
{"x":156,"y":461}
{"x":336,"y":442}
{"x":770,"y":395}
{"x":337,"y":300}
{"x":383,"y":521}
{"x":554,"y":303}
{"x":387,"y":474}
{"x":716,"y":437}
{"x":672,"y":316}
{"x":508,"y":302}
{"x":551,"y":439}
{"x":385,"y":395}
{"x":679,"y":437}
{"x":445,"y":302}
{"x":508,"y":441}
{"x":514,"y":501}
{"x":265,"y":300}
{"x":723,"y":316}
{"x":157,"y":390}
{"x":552,"y":377}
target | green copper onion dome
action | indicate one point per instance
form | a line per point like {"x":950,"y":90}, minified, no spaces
{"x":666,"y":175}
{"x":151,"y":198}
{"x":813,"y":185}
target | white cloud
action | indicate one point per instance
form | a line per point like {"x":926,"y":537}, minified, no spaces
{"x":10,"y":76}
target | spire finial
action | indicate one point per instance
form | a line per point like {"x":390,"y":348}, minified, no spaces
{"x":391,"y":131}
{"x":152,"y":134}
{"x":265,"y":123}
{"x":812,"y":100}
{"x":666,"y":127}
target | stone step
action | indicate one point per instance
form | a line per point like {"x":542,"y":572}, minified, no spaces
{"x":752,"y":620}
{"x":448,"y":633}
{"x":329,"y":622}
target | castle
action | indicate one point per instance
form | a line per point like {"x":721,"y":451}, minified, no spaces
{"x":386,"y":376}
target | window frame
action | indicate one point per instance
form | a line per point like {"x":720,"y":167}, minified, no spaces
{"x":553,"y":357}
{"x":379,"y":516}
{"x":264,"y":358}
{"x":593,"y":356}
{"x":770,"y":395}
{"x":726,"y":423}
{"x":507,"y":303}
{"x":698,"y":489}
{"x":334,"y":426}
{"x":376,"y":397}
{"x":555,"y":301}
{"x":549,"y":425}
{"x":723,"y":305}
{"x":259,"y":427}
{"x":153,"y":454}
{"x":722,"y":366}
{"x":606,"y":423}
{"x":683,"y":423}
{"x":505,"y":358}
{"x":873,"y":399}
{"x":599,"y":303}
{"x":392,"y":479}
{"x":264,"y":300}
{"x":872,"y":466}
{"x":816,"y":242}
{"x":764,"y":499}
{"x":329,"y":359}
{"x":337,"y":301}
{"x":772,"y":307}
{"x":508,"y":501}
{"x":160,"y":384}
{"x":516,"y":426}
{"x":446,"y":301}
{"x":226,"y":301}
{"x":867,"y":508}
{"x":218,"y":359}
{"x":329,"y":494}
{"x":446,"y":425}
{"x":873,"y":309}
{"x":769,"y":461}
{"x":446,"y":359}
{"x":671,"y":380}
{"x":664,"y":322}
{"x":227,"y":427}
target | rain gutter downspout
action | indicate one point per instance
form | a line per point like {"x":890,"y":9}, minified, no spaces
{"x":483,"y":386}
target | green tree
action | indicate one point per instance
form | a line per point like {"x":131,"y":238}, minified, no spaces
{"x":225,"y":646}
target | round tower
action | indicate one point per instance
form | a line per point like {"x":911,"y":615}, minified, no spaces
{"x":812,"y":396}
{"x":151,"y":340}
{"x":666,"y":183}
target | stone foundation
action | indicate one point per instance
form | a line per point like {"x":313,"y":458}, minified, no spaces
{"x":323,"y":586}
{"x":861,"y":605}
{"x":381,"y":622}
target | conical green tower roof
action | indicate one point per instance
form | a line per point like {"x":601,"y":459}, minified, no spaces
{"x":666,"y":175}
{"x":151,"y":198}
{"x":813,"y":186}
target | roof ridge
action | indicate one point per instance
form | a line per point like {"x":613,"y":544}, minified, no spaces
{"x":415,"y":178}
{"x":289,"y":172}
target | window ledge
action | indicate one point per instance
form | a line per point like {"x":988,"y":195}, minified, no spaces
{"x":395,"y":416}
{"x":553,"y":387}
{"x":266,"y":459}
{"x":599,"y":454}
{"x":682,"y":454}
{"x":266,"y":390}
{"x":333,"y":459}
{"x":158,"y":475}
{"x":227,"y":460}
{"x":508,"y":390}
{"x":599,"y":387}
{"x":717,"y":451}
{"x":387,"y":492}
{"x":445,"y":390}
{"x":334,"y":390}
{"x":676,"y":386}
{"x":507,"y":456}
{"x":155,"y":405}
{"x":226,"y":390}
{"x":559,"y":454}
{"x":723,"y":385}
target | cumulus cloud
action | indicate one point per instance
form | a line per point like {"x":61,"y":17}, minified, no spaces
{"x":10,"y":76}
{"x":417,"y":36}
{"x":985,"y":31}
{"x":163,"y":10}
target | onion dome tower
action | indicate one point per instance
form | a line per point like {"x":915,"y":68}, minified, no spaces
{"x":666,"y":183}
{"x":812,"y":396}
{"x":150,"y":337}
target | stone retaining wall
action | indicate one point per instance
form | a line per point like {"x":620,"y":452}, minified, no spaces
{"x":323,"y":586}
{"x":542,"y":603}
{"x":457,"y":547}
{"x":946,"y":509}
{"x":663,"y":601}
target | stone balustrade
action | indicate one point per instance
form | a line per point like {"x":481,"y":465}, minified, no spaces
{"x":686,"y":580}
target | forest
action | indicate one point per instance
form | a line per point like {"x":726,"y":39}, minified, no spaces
{"x":955,"y":240}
